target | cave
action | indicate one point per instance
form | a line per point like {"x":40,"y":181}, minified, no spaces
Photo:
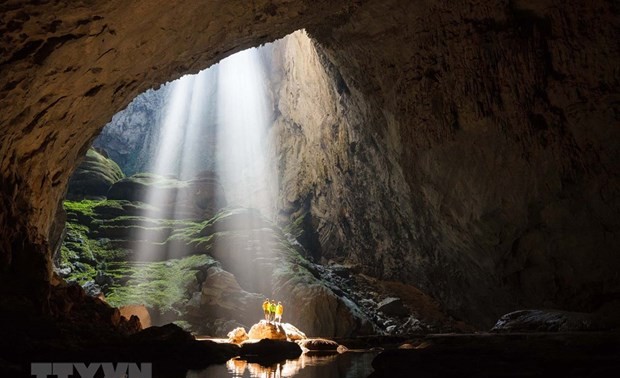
{"x":461,"y":155}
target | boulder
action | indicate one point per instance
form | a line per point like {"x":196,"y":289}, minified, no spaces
{"x":222,"y":297}
{"x":292,"y":332}
{"x":392,"y":307}
{"x":313,"y":306}
{"x":237,"y":335}
{"x":268,"y":349}
{"x":266,"y":330}
{"x":169,"y":333}
{"x":170,"y":342}
{"x":92,"y":289}
{"x":319,"y":344}
{"x":219,"y":327}
{"x":93,"y":177}
{"x":140,"y":311}
{"x":605,"y":318}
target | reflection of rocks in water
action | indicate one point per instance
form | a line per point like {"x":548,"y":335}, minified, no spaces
{"x":236,"y":366}
{"x":346,"y":365}
{"x":258,"y":370}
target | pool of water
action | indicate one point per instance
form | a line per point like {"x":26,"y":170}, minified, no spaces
{"x":346,"y":365}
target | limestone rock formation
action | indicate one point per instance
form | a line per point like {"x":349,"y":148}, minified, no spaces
{"x":137,"y":310}
{"x":199,"y":198}
{"x":267,"y":330}
{"x":237,"y":335}
{"x":392,"y":306}
{"x":502,"y":160}
{"x":93,"y":177}
{"x":134,"y":135}
{"x":211,"y":275}
{"x":260,"y":263}
{"x":293,"y":333}
{"x":270,"y":350}
{"x":131,"y":136}
{"x":222,"y":297}
{"x":559,"y":321}
{"x":319,"y":344}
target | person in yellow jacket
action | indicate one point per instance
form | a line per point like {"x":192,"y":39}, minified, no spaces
{"x":279,"y":311}
{"x":266,"y":309}
{"x":272,"y":310}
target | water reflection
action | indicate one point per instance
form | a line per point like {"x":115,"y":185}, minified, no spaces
{"x":346,"y":365}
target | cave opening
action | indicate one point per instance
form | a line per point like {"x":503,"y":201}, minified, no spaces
{"x":172,"y":210}
{"x":438,"y":164}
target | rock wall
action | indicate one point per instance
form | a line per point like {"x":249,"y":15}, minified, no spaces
{"x":333,"y":168}
{"x":503,"y":120}
{"x":130,"y":138}
{"x":472,"y":148}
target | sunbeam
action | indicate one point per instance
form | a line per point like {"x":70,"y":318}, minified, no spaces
{"x":217,"y":121}
{"x":242,"y":121}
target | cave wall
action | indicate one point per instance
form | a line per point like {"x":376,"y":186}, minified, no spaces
{"x":472,"y":148}
{"x":503,"y":119}
{"x":333,"y":169}
{"x":130,"y":138}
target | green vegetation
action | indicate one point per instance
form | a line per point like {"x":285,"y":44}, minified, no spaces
{"x":101,"y":207}
{"x":84,"y":256}
{"x":101,"y":233}
{"x":296,"y":228}
{"x":83,"y":207}
{"x":162,"y":285}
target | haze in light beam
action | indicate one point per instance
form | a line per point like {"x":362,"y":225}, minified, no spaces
{"x":243,"y":118}
{"x":167,"y":162}
{"x":238,"y":86}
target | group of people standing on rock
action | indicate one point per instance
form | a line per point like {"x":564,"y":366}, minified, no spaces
{"x":273,"y":312}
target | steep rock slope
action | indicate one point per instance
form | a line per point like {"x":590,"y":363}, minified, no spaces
{"x":130,"y":137}
{"x":338,"y":177}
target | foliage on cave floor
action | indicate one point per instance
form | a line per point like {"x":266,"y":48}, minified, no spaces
{"x":81,"y":257}
{"x":87,"y":255}
{"x":92,"y":239}
{"x":162,"y":285}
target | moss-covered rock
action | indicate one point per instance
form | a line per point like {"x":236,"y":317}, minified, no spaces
{"x":93,"y":177}
{"x":199,"y":198}
{"x":141,"y":186}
